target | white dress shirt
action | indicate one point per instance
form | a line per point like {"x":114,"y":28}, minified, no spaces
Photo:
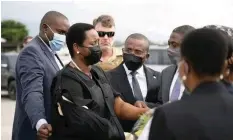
{"x":42,"y":120}
{"x":141,"y":77}
{"x":173,"y":83}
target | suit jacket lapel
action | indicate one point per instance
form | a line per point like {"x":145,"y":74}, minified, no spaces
{"x":167,"y":81}
{"x":150,"y":78}
{"x":123,"y":84}
{"x":48,"y":53}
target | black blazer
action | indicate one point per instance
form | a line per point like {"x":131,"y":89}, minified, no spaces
{"x":207,"y":114}
{"x":120,"y":83}
{"x":165,"y":81}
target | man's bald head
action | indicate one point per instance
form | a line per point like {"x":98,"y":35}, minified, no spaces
{"x":53,"y":22}
{"x":139,"y":36}
{"x":51,"y":17}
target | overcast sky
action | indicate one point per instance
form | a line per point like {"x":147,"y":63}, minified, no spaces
{"x":154,"y":19}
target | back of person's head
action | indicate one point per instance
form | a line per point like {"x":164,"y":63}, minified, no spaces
{"x":184,"y":29}
{"x":105,"y":20}
{"x":77,"y":34}
{"x":205,"y":51}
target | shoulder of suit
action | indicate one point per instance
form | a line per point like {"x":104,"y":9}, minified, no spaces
{"x":169,"y":107}
{"x":31,"y":49}
{"x":171,"y":67}
{"x":152,"y":71}
{"x":115,"y":70}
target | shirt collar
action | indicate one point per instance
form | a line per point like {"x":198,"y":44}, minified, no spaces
{"x":140,"y":71}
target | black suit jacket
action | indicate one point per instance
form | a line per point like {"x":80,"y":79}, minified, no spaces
{"x":207,"y":114}
{"x":165,"y":80}
{"x":120,"y":83}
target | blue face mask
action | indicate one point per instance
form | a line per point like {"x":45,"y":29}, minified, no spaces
{"x":57,"y":42}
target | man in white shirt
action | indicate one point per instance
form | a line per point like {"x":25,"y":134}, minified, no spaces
{"x":36,"y":67}
{"x":137,"y":83}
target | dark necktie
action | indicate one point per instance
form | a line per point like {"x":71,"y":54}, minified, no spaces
{"x":176,"y":90}
{"x":136,"y":88}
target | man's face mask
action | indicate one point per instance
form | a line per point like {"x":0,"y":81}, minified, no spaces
{"x":132,"y":62}
{"x":174,"y":55}
{"x":57,"y":42}
{"x":94,"y":55}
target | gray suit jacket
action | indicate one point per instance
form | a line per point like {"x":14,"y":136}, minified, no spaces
{"x":165,"y":83}
{"x":35,"y":70}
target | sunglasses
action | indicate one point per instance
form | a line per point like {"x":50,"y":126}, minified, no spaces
{"x":109,"y":34}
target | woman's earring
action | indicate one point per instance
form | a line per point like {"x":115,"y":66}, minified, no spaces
{"x":221,"y":76}
{"x":184,"y":78}
{"x":77,"y":52}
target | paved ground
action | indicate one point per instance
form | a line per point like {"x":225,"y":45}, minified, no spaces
{"x":7,"y":115}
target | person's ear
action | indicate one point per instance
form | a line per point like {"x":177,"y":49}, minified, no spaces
{"x":147,"y":55}
{"x":186,"y":68}
{"x":225,"y":70}
{"x":183,"y":70}
{"x":45,"y":28}
{"x":76,"y":48}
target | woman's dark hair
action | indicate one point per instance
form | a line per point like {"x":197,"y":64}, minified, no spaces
{"x":205,"y":50}
{"x":77,"y":34}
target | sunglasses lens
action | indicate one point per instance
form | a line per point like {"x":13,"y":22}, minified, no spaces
{"x":101,"y":34}
{"x":109,"y":34}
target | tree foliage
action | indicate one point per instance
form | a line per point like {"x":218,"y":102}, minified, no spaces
{"x":13,"y":31}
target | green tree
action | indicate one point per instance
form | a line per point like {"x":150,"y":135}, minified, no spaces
{"x":13,"y":31}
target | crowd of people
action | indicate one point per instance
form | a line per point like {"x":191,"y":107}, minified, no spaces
{"x":103,"y":91}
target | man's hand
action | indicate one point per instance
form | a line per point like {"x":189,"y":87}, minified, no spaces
{"x":140,"y":104}
{"x":44,"y":132}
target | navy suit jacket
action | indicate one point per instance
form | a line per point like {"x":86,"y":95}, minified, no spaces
{"x":35,"y":69}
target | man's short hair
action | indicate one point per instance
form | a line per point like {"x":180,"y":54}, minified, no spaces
{"x":77,"y":34}
{"x":184,"y":29}
{"x":205,"y":50}
{"x":50,"y":17}
{"x":139,"y":37}
{"x":105,"y":20}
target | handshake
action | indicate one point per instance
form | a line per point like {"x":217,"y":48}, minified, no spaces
{"x":140,"y":104}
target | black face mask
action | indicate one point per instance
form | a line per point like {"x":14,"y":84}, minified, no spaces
{"x":94,"y":56}
{"x":132,"y":62}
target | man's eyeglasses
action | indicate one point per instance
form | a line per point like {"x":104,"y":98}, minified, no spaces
{"x":109,"y":34}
